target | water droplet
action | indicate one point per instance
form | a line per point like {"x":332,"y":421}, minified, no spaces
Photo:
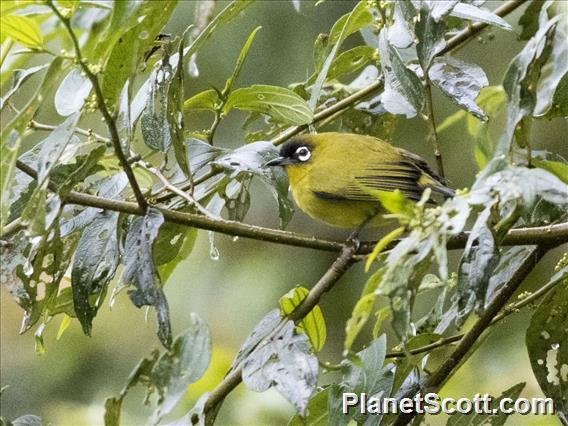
{"x":213,"y":252}
{"x":260,"y":96}
{"x":235,"y":238}
{"x":555,"y":346}
{"x":545,"y":335}
{"x":143,"y":35}
{"x":540,"y":361}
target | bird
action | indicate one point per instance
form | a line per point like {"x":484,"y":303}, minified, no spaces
{"x":330,"y":172}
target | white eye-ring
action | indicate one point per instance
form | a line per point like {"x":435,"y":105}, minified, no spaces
{"x":303,"y":154}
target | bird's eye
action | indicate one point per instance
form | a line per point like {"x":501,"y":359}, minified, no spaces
{"x":303,"y":154}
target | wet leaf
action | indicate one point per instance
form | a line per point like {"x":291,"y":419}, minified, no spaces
{"x":72,"y":93}
{"x":430,"y":31}
{"x":139,"y":270}
{"x":20,"y":77}
{"x":94,"y":265}
{"x":401,"y":32}
{"x":460,"y":81}
{"x":205,"y":101}
{"x":403,"y":92}
{"x":477,"y":14}
{"x":316,"y":412}
{"x":284,"y":361}
{"x":278,"y":103}
{"x":547,"y":343}
{"x":239,"y":64}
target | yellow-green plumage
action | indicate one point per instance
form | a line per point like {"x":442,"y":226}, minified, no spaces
{"x":330,"y":184}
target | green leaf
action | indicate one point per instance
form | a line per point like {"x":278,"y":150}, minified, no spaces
{"x":20,"y":77}
{"x":72,"y":93}
{"x":382,"y":244}
{"x":139,"y":270}
{"x":393,"y":201}
{"x":559,"y":106}
{"x":316,"y":411}
{"x":430,"y":30}
{"x":460,"y":81}
{"x":351,"y":61}
{"x":498,"y":419}
{"x":240,"y":61}
{"x":280,"y":104}
{"x":21,"y":29}
{"x":184,"y":364}
{"x":9,"y":150}
{"x":313,"y":324}
{"x":557,"y":168}
{"x":367,"y":376}
{"x":266,"y":325}
{"x":473,"y":13}
{"x":205,"y":101}
{"x":529,"y":19}
{"x":173,"y":244}
{"x":405,"y":365}
{"x":556,"y":67}
{"x":130,"y":47}
{"x":284,"y":362}
{"x":403,"y":92}
{"x":54,"y":145}
{"x":175,"y":112}
{"x":94,"y":265}
{"x":359,"y":317}
{"x":547,"y":343}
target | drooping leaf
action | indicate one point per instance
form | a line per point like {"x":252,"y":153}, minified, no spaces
{"x":184,"y":364}
{"x":8,"y":155}
{"x":173,"y":244}
{"x":239,"y":64}
{"x":139,"y":270}
{"x":20,"y":77}
{"x":313,"y":324}
{"x":351,"y":61}
{"x":280,"y":104}
{"x":403,"y":92}
{"x":529,"y":19}
{"x":401,"y":32}
{"x":72,"y":93}
{"x":95,"y":262}
{"x":206,"y":101}
{"x":478,"y":14}
{"x":460,"y":81}
{"x":285,"y":362}
{"x":547,"y":343}
{"x":129,"y":48}
{"x":430,"y":30}
{"x":53,"y":146}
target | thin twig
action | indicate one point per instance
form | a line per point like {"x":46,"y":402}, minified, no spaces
{"x":109,"y":119}
{"x":508,"y":310}
{"x":35,"y":125}
{"x":438,"y":378}
{"x":170,"y":186}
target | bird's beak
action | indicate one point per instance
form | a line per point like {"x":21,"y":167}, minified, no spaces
{"x":278,"y":161}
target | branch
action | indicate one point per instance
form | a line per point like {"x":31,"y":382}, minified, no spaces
{"x":432,"y":121}
{"x":325,"y":283}
{"x":508,"y":310}
{"x":108,"y":118}
{"x":550,"y":235}
{"x":438,"y":378}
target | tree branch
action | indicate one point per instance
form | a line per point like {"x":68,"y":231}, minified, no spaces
{"x":543,"y":235}
{"x":438,"y":378}
{"x":109,"y":119}
{"x":34,"y":125}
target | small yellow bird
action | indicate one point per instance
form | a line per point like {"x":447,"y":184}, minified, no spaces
{"x":329,"y":172}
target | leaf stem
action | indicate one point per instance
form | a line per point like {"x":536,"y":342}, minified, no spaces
{"x":108,"y":118}
{"x":35,"y":125}
{"x":433,"y":131}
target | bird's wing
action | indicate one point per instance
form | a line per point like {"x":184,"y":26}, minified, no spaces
{"x":387,"y":176}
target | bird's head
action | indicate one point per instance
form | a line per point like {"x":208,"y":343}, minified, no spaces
{"x":296,"y":152}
